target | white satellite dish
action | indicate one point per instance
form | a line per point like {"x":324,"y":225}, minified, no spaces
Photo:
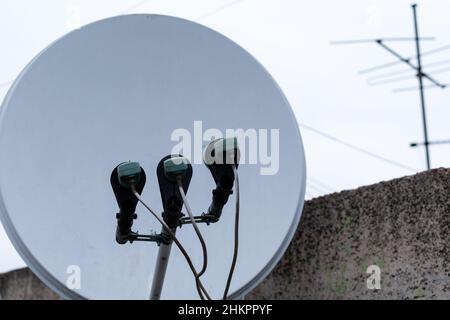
{"x":122,"y":89}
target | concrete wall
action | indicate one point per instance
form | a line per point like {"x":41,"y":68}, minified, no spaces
{"x":401,"y":226}
{"x":23,"y":284}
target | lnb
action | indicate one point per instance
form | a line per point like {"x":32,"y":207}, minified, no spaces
{"x":129,"y":173}
{"x":222,"y":151}
{"x":227,"y":150}
{"x":220,"y":157}
{"x":175,"y":168}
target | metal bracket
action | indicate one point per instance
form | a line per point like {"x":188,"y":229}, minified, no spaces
{"x":134,"y":236}
{"x":204,"y":218}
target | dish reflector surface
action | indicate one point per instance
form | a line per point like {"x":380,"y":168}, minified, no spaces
{"x":117,"y":90}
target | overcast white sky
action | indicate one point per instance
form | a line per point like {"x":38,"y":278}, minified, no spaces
{"x":291,"y":39}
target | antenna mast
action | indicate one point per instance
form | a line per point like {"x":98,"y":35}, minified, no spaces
{"x":419,"y":73}
{"x":420,"y":76}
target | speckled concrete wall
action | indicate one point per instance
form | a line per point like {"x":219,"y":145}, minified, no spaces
{"x":400,"y":228}
{"x":23,"y":284}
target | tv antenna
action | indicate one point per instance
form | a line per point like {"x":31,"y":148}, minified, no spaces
{"x":417,"y":67}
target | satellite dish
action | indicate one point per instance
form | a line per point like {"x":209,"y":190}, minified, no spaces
{"x":135,"y":88}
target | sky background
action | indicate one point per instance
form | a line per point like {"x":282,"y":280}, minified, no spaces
{"x":291,"y":38}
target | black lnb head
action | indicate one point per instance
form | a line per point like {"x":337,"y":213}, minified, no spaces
{"x":222,"y":152}
{"x":171,"y":170}
{"x":122,"y":177}
{"x":220,"y":157}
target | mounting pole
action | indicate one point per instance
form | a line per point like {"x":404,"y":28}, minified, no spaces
{"x":169,"y":169}
{"x":161,"y":267}
{"x":420,"y":76}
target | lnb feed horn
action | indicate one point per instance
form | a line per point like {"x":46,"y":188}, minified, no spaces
{"x":222,"y":151}
{"x":175,"y":168}
{"x":220,"y":157}
{"x":122,"y":177}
